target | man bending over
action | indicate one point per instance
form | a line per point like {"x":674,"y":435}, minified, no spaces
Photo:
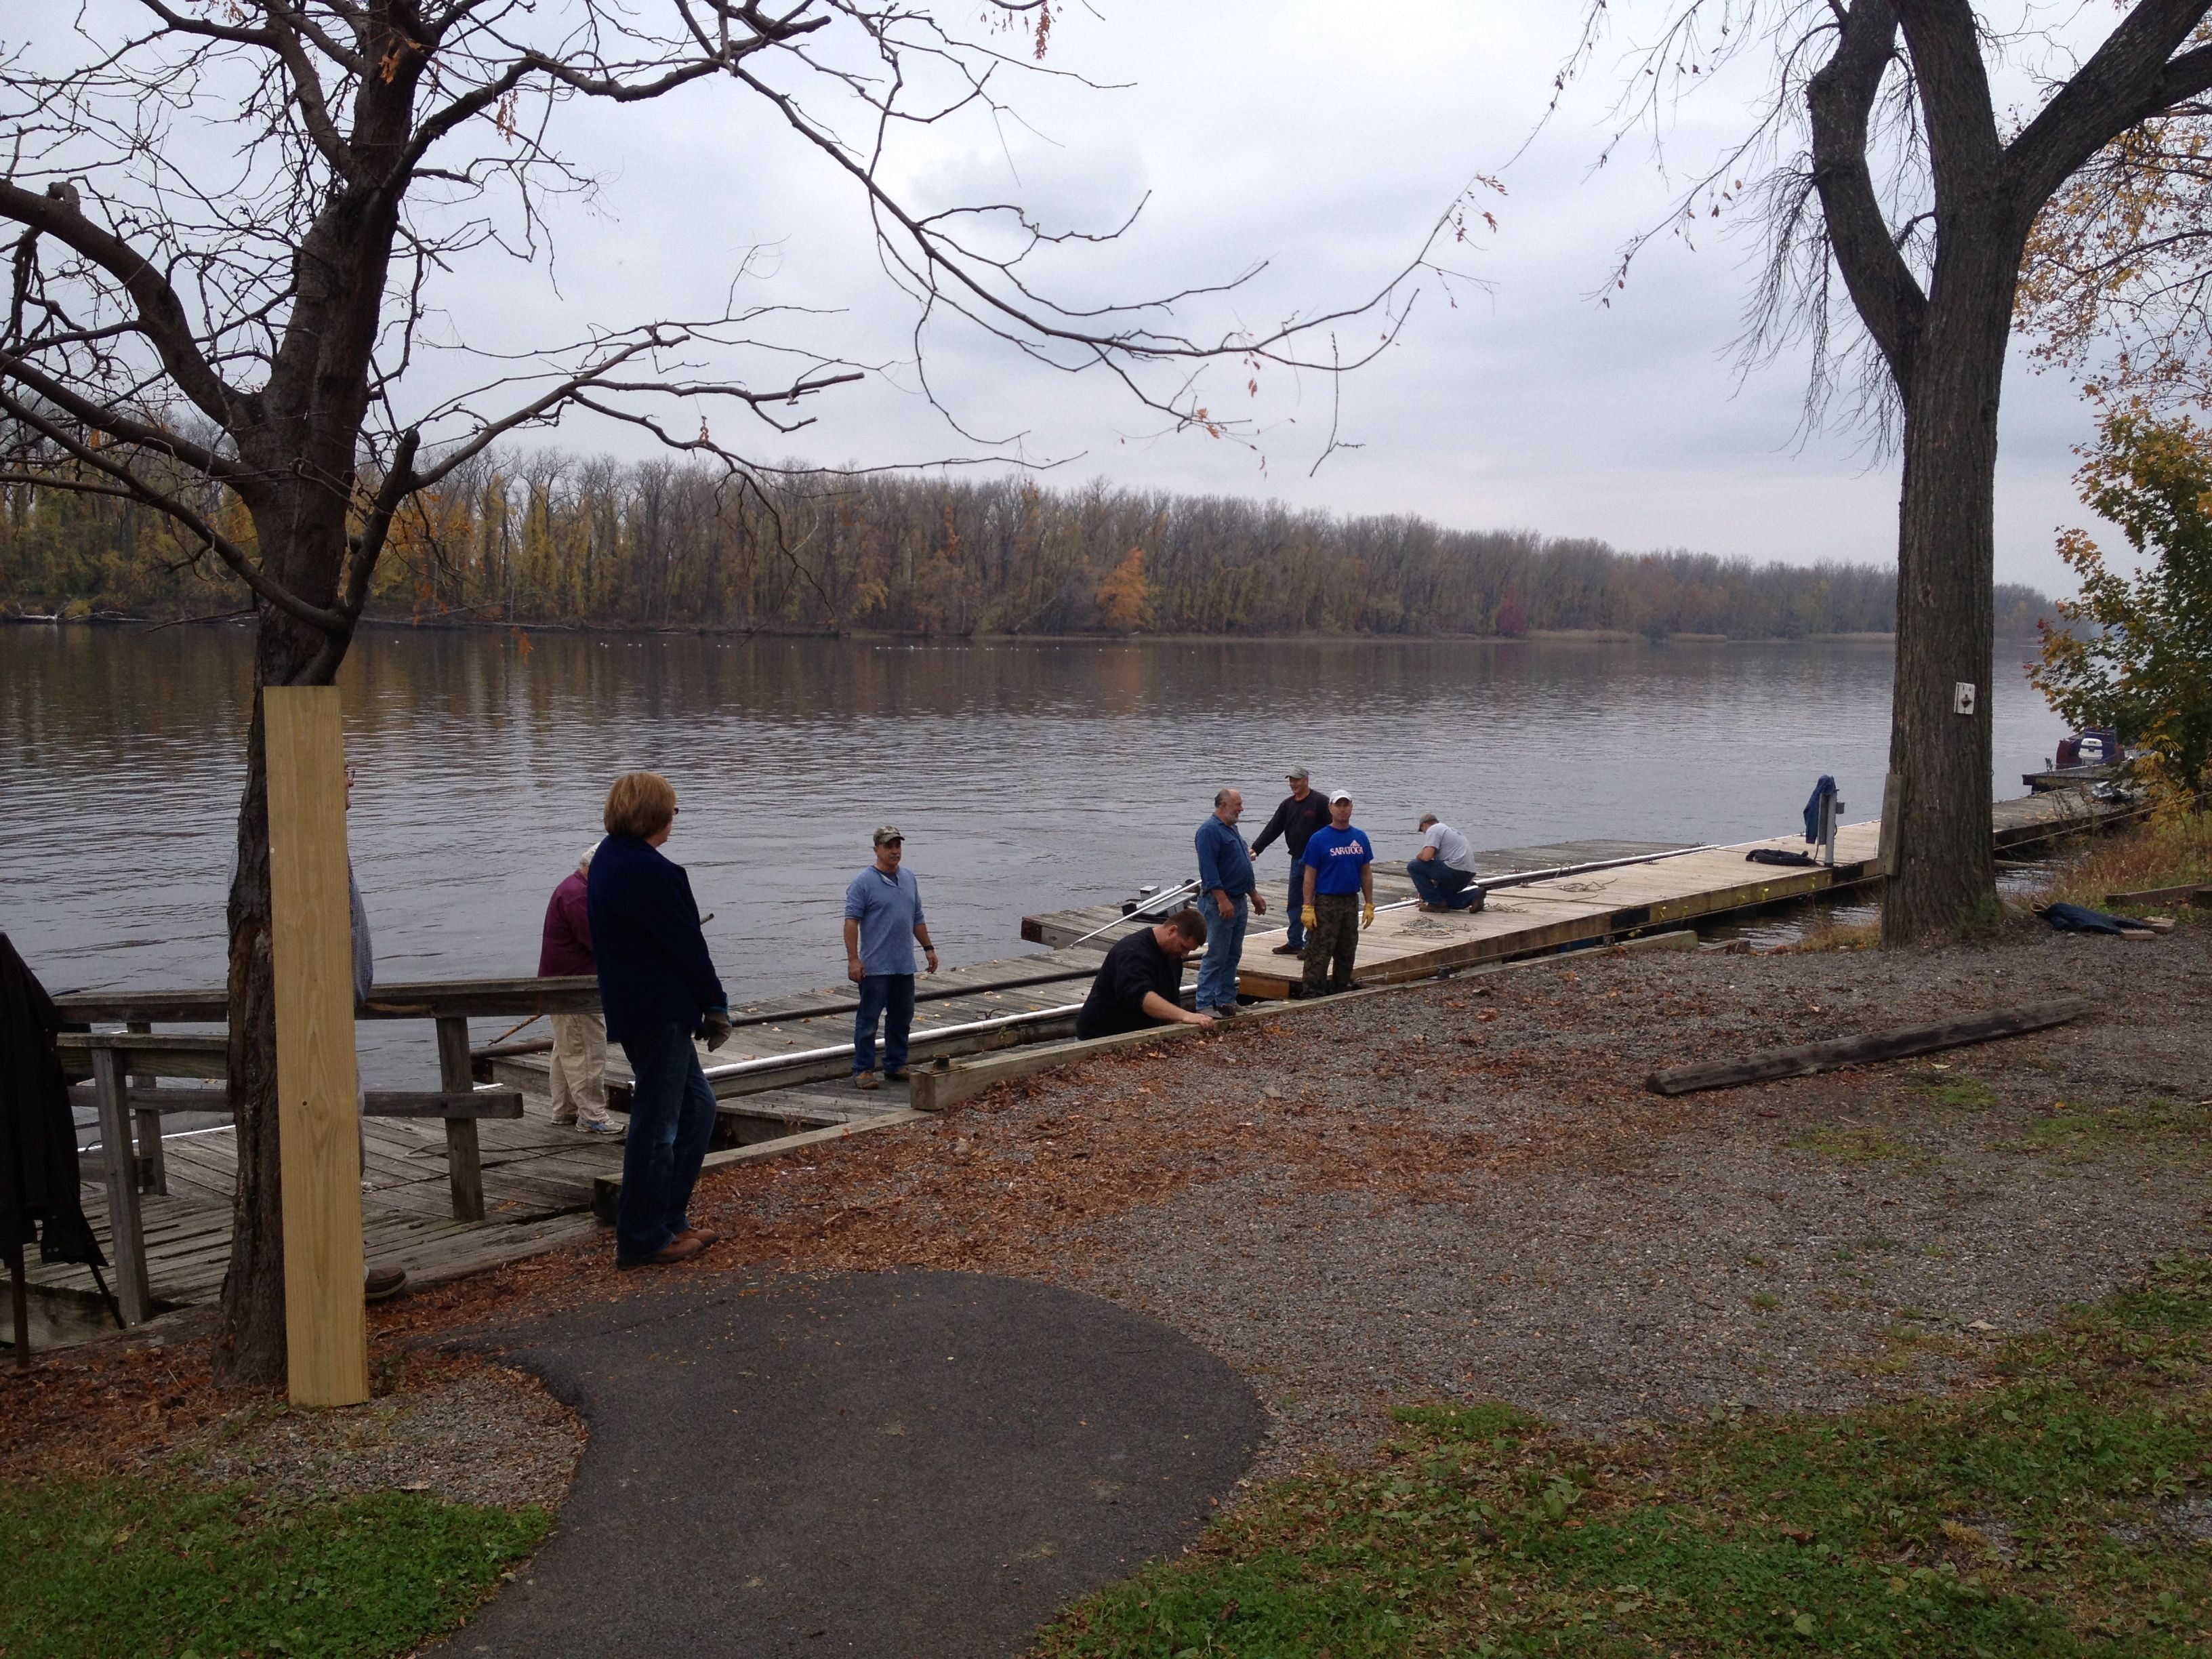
{"x":1140,"y":982}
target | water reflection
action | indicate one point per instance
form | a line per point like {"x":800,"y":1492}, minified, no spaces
{"x":1026,"y":775}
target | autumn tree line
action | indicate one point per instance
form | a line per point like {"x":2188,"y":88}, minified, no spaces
{"x":549,"y":537}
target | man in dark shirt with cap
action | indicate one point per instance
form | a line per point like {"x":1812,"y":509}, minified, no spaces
{"x":1301,"y":812}
{"x":1140,"y":982}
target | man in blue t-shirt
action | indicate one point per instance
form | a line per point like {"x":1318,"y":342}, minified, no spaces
{"x":883,"y":919}
{"x":1340,"y":863}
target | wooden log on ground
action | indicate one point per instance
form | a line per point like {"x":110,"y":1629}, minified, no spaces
{"x":471,"y":1103}
{"x":1807,"y":1058}
{"x":2192,"y":893}
{"x":934,"y":1088}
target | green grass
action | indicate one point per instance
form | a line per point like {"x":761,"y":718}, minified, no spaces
{"x":1958,"y":1094}
{"x":2035,"y":1517}
{"x":114,"y":1568}
{"x":2088,"y":1131}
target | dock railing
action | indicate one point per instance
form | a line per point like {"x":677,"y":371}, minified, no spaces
{"x":126,"y":1069}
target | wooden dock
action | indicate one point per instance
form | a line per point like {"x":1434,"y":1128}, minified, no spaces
{"x":807,"y":1038}
{"x":782,"y":1076}
{"x":1667,"y":887}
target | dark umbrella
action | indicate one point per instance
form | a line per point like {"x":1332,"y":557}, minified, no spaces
{"x":38,"y":1139}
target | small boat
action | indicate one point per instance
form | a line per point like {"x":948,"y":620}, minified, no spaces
{"x":2093,"y":755}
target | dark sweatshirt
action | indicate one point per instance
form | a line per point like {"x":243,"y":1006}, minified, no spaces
{"x":567,"y":946}
{"x":653,"y":966}
{"x":1295,"y":821}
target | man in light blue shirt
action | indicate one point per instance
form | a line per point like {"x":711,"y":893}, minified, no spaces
{"x":883,"y":919}
{"x":1227,"y":883}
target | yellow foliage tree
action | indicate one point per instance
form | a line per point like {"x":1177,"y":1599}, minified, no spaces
{"x":1125,"y":598}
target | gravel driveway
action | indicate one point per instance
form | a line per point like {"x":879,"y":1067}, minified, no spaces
{"x":1465,"y":1189}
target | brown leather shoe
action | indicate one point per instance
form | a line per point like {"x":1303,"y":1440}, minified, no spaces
{"x":705,"y":1235}
{"x":382,"y":1283}
{"x":682,"y":1248}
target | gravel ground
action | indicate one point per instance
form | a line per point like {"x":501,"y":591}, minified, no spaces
{"x":492,"y":1437}
{"x":1465,"y":1190}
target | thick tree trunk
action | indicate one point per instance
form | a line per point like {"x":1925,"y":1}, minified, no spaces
{"x":1945,"y":870}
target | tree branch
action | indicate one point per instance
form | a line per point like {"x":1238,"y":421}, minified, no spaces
{"x":161,"y":313}
{"x":2132,"y":77}
{"x":1840,"y":97}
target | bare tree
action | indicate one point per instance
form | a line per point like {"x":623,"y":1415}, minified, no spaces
{"x":1880,"y":158}
{"x":238,"y":217}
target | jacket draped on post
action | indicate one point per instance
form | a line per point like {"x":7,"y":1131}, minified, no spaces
{"x":38,"y":1132}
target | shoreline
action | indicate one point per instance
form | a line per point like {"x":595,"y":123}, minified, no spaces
{"x":872,"y":636}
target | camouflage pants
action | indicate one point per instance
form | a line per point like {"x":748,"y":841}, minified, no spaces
{"x":1331,"y":942}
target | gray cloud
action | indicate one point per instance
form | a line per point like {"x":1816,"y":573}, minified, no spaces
{"x":1323,"y":142}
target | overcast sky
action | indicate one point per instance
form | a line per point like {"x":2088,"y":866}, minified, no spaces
{"x":1322,"y":140}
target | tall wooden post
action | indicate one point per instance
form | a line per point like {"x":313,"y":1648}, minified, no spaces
{"x":318,"y":1112}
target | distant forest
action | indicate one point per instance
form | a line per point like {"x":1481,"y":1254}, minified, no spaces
{"x":548,"y":537}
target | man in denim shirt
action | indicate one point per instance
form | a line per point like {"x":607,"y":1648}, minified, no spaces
{"x":1226,"y":882}
{"x":883,"y":919}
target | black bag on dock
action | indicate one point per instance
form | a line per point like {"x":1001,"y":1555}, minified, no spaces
{"x":38,"y":1133}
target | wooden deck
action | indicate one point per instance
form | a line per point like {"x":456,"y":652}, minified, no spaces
{"x":1672,"y":888}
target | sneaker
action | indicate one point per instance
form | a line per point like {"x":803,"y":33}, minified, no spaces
{"x":865,"y":1081}
{"x":602,"y":1131}
{"x":567,"y":1122}
{"x":1226,"y":1011}
{"x":382,"y":1283}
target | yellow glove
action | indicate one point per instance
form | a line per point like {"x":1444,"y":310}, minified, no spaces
{"x":1367,"y":915}
{"x":1307,"y":918}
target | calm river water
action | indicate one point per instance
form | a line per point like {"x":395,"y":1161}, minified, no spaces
{"x":1026,"y":776}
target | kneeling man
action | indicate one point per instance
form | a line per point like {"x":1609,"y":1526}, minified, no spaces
{"x":1140,"y":983}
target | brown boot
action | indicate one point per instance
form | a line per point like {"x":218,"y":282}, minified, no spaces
{"x":682,"y":1248}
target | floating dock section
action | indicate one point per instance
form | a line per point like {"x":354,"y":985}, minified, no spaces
{"x":1606,"y":892}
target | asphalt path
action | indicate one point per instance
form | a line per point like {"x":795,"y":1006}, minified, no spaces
{"x":902,"y":1465}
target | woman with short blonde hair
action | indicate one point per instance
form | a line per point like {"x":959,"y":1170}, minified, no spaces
{"x":660,"y":994}
{"x":639,"y":806}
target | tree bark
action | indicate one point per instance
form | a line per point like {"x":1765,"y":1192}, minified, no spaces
{"x":1946,"y":868}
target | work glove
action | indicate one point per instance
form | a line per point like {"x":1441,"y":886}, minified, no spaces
{"x":716,"y":1027}
{"x":1308,"y":919}
{"x":1367,"y":915}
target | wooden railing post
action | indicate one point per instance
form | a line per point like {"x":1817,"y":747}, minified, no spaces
{"x":120,"y":1167}
{"x":153,"y":1168}
{"x":318,"y":1124}
{"x":465,"y":1163}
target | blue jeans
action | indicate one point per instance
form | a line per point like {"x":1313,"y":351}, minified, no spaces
{"x":888,"y":997}
{"x":1297,"y":939}
{"x":1225,"y":948}
{"x":672,"y":1119}
{"x":1439,"y":884}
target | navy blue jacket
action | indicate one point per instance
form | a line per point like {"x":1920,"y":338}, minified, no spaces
{"x":653,"y":966}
